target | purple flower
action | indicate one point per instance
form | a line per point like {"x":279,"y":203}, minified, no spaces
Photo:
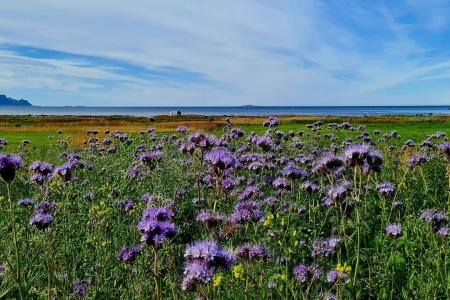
{"x":246,"y":211}
{"x":304,"y":273}
{"x":64,"y":171}
{"x":209,"y":218}
{"x":416,"y":160}
{"x":355,"y":154}
{"x":271,"y":122}
{"x":249,"y":193}
{"x":394,"y":229}
{"x":265,"y":143}
{"x":220,"y":158}
{"x":339,"y":191}
{"x":128,"y":205}
{"x":280,"y":184}
{"x":8,"y":166}
{"x":42,"y":217}
{"x":42,"y":171}
{"x":181,"y":129}
{"x":209,"y":252}
{"x":309,"y":187}
{"x":324,"y":247}
{"x":327,"y":163}
{"x":80,"y":286}
{"x":155,"y":226}
{"x":251,"y":252}
{"x":335,"y":276}
{"x":443,"y":231}
{"x":385,"y":189}
{"x":294,"y":172}
{"x":435,"y":218}
{"x":129,"y":254}
{"x":445,"y":148}
{"x":151,"y":158}
{"x":25,"y":202}
{"x":41,"y":220}
{"x":196,"y":272}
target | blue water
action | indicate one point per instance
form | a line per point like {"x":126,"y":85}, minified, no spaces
{"x":229,"y":110}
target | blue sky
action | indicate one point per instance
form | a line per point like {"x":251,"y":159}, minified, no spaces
{"x":158,"y":53}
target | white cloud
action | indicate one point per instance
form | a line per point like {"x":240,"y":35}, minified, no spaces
{"x":233,"y":42}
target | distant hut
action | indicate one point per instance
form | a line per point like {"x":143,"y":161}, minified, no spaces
{"x":175,"y":113}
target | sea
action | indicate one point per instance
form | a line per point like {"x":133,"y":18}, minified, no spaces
{"x":227,"y":110}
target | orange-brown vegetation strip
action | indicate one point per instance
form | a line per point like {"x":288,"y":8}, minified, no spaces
{"x":169,"y":124}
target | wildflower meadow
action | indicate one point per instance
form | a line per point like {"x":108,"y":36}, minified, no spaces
{"x":332,"y":211}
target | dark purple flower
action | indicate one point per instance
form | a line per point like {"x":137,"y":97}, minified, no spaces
{"x":80,"y":286}
{"x":293,"y":172}
{"x":251,"y":252}
{"x":151,"y":158}
{"x":41,"y":220}
{"x":129,"y":254}
{"x":209,"y":218}
{"x":8,"y":166}
{"x":339,"y":191}
{"x":128,"y":205}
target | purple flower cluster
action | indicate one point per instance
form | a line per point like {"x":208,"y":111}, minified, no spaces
{"x":305,"y":273}
{"x":250,"y":252}
{"x":155,"y":226}
{"x":42,"y":171}
{"x":246,"y":211}
{"x":220,"y":158}
{"x":150,"y":159}
{"x":201,"y":261}
{"x":293,"y":172}
{"x":416,"y":160}
{"x":271,"y":122}
{"x":324,"y":247}
{"x":42,"y":217}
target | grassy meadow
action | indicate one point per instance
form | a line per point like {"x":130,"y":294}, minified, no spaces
{"x":194,"y":207}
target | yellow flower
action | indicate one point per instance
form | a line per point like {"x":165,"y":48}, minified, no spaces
{"x":343,"y":268}
{"x":217,"y":280}
{"x":238,"y":271}
{"x":279,"y":277}
{"x":268,"y":221}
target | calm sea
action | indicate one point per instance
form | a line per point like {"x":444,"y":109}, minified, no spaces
{"x":228,"y":110}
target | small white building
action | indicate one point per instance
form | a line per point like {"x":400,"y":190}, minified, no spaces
{"x":175,"y":113}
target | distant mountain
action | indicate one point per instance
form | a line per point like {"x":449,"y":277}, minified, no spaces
{"x":6,"y":101}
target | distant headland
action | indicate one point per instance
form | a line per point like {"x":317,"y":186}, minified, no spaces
{"x":7,"y":101}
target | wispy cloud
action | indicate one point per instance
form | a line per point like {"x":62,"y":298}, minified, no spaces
{"x":230,"y":52}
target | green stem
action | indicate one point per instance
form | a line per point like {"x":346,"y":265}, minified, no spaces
{"x":16,"y":246}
